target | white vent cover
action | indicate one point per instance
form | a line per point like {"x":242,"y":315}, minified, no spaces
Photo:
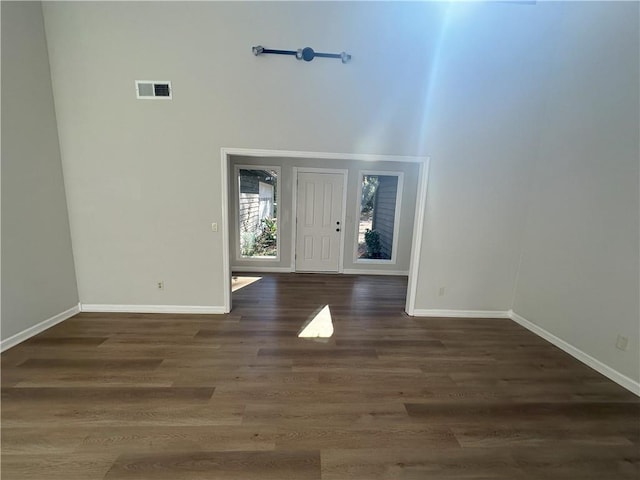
{"x":153,"y":90}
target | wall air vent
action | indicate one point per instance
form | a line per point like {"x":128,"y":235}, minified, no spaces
{"x":153,"y":90}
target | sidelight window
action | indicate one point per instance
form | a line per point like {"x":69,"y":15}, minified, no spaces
{"x":258,"y":196}
{"x":378,"y":215}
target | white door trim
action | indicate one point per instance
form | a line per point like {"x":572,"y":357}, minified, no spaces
{"x":416,"y":242}
{"x":226,"y":153}
{"x":368,"y":157}
{"x":294,"y":216}
{"x":294,"y":210}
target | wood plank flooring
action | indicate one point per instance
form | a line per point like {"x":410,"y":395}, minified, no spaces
{"x":240,"y":396}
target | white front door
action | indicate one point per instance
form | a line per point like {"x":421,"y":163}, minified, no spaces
{"x":319,"y":221}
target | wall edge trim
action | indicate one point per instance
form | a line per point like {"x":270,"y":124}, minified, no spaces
{"x":256,"y":269}
{"x":117,"y":308}
{"x":600,"y":367}
{"x":460,"y":313}
{"x":40,"y":327}
{"x":358,"y":271}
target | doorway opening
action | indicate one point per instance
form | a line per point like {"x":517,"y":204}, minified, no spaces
{"x":311,"y":224}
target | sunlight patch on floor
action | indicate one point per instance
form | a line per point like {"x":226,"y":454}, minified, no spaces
{"x":320,"y":326}
{"x":240,"y":282}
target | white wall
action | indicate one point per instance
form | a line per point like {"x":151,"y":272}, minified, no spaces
{"x":580,"y":254}
{"x":38,"y":277}
{"x":482,"y":121}
{"x":143,"y":177}
{"x":508,"y":100}
{"x":407,"y":212}
{"x":532,"y":129}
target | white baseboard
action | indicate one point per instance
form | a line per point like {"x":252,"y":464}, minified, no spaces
{"x":262,"y":269}
{"x":622,"y":380}
{"x":112,"y":308}
{"x":38,"y":328}
{"x":358,"y":271}
{"x":346,"y":271}
{"x":461,"y":313}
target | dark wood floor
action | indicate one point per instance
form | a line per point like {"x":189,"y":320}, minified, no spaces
{"x":104,"y":396}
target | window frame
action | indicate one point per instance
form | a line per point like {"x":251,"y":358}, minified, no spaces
{"x":396,"y":219}
{"x":278,"y":171}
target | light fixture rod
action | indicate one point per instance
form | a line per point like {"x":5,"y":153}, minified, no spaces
{"x":307,"y":54}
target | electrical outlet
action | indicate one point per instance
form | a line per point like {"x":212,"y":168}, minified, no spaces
{"x":441,"y":292}
{"x":622,"y":343}
{"x":214,"y":227}
{"x":160,"y":285}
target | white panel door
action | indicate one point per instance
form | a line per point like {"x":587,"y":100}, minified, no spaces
{"x":319,"y":217}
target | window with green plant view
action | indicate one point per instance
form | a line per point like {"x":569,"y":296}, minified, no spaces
{"x":258,"y":212}
{"x":377,"y":216}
